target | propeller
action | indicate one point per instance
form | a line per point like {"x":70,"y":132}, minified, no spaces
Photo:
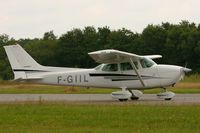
{"x":184,"y":70}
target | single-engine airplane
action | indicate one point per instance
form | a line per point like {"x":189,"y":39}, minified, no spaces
{"x":130,"y":72}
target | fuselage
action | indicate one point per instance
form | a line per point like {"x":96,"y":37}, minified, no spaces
{"x":155,"y":76}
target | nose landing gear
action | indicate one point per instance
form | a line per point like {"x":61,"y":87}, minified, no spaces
{"x":167,"y":95}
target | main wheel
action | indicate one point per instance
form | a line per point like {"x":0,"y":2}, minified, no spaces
{"x":167,"y":99}
{"x":134,"y":98}
{"x":123,"y":100}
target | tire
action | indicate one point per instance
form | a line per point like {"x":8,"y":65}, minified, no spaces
{"x":168,"y":99}
{"x":123,"y":100}
{"x":134,"y":98}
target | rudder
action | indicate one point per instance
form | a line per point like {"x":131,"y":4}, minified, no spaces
{"x":20,"y":61}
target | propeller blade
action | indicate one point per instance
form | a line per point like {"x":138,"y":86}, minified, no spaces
{"x":186,"y":70}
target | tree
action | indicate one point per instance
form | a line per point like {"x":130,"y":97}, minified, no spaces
{"x":69,"y":49}
{"x":5,"y":69}
{"x":103,"y":39}
{"x":49,"y":36}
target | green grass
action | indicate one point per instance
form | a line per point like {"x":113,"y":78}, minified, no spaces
{"x":90,"y":118}
{"x":23,"y":88}
{"x":194,"y":78}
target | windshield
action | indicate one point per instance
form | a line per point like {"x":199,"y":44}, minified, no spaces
{"x":98,"y":67}
{"x":146,"y":62}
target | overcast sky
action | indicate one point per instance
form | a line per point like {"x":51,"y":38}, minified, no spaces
{"x":32,"y":18}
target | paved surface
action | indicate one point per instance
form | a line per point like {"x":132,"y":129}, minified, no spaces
{"x":94,"y":98}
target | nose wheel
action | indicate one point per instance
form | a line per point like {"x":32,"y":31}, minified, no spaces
{"x":166,"y":95}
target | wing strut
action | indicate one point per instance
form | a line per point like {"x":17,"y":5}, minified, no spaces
{"x":135,"y":69}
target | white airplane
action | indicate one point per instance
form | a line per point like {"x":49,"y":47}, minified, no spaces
{"x":130,"y":72}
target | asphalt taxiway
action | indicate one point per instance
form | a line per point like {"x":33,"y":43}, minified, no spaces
{"x":94,"y":98}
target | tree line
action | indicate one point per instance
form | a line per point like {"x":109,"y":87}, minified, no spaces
{"x":178,"y":43}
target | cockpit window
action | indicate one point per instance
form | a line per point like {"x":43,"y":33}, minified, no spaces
{"x":127,"y":66}
{"x":146,"y":63}
{"x":110,"y":67}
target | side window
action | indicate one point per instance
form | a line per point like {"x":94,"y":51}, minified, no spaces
{"x":110,"y":67}
{"x":127,"y":66}
{"x":146,"y":63}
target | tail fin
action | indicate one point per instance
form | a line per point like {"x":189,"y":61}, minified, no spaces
{"x":21,"y":62}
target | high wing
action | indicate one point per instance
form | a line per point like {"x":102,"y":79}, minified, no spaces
{"x":116,"y":56}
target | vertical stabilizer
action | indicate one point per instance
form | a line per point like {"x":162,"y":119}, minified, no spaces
{"x":20,"y":61}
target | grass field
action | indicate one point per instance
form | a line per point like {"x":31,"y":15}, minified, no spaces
{"x":194,"y":78}
{"x":107,"y":118}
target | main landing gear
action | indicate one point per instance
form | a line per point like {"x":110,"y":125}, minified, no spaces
{"x":136,"y":94}
{"x":167,"y":95}
{"x":124,"y":95}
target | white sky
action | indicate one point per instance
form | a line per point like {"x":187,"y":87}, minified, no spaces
{"x":32,"y":18}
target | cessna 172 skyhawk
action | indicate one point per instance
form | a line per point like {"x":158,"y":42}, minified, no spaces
{"x":130,"y":72}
